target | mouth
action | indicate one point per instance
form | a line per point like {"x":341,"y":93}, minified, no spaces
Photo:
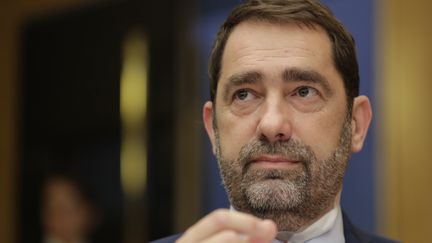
{"x":274,"y":162}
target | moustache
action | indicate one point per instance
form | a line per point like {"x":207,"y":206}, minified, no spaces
{"x":290,"y":149}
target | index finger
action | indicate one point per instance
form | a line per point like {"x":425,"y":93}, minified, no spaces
{"x":223,"y":219}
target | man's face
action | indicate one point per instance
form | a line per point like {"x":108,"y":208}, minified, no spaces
{"x":280,"y":127}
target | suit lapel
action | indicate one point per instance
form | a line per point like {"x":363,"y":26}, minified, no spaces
{"x":352,"y":233}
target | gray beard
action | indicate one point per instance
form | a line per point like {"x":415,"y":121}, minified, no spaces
{"x":292,"y":198}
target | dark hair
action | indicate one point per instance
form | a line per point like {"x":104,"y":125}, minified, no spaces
{"x":309,"y":13}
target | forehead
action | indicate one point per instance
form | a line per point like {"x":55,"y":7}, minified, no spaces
{"x":267,"y":46}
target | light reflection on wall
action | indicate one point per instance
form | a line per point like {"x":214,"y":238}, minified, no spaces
{"x":133,"y":112}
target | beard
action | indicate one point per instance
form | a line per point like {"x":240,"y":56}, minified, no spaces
{"x":291,"y":197}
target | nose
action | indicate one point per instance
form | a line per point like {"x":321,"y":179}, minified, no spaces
{"x":275,"y":123}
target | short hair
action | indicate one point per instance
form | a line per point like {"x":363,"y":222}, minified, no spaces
{"x":309,"y":13}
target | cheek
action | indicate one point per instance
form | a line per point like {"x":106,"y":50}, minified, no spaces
{"x":234,"y":133}
{"x":322,"y":133}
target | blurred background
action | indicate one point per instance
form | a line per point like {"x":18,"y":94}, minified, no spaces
{"x":101,"y":136}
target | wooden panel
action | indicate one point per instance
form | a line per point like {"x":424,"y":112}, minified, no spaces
{"x":405,"y":56}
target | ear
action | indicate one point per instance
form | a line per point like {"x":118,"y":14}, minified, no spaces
{"x":208,"y":123}
{"x":361,"y":118}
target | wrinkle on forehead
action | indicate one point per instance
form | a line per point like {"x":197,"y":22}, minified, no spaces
{"x":247,"y":54}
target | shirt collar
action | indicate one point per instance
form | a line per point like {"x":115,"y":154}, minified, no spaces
{"x":327,"y":229}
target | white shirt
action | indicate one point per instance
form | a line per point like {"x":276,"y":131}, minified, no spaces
{"x":328,"y":229}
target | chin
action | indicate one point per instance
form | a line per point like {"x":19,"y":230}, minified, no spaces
{"x":274,"y":195}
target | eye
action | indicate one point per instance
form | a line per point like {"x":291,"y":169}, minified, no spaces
{"x":305,"y":91}
{"x":306,"y":99}
{"x":243,"y":94}
{"x":244,"y":101}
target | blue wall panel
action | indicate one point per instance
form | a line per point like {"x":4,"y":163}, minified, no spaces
{"x":214,"y":195}
{"x":358,"y":194}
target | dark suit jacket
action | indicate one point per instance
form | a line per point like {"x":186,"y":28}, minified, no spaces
{"x":351,"y":232}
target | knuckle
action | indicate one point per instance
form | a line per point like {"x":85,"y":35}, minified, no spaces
{"x":220,"y":216}
{"x":220,"y":211}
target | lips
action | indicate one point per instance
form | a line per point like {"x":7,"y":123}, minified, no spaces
{"x":273,"y":161}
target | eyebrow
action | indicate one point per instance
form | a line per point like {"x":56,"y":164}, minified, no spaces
{"x":300,"y":75}
{"x":251,"y":77}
